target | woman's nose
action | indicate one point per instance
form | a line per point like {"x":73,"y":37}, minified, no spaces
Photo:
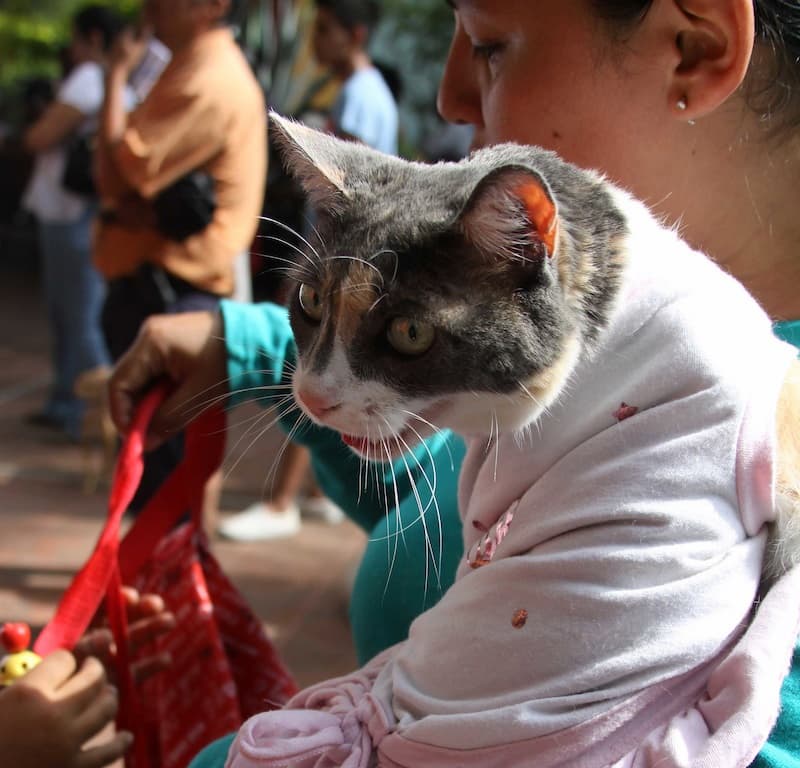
{"x":459,"y":99}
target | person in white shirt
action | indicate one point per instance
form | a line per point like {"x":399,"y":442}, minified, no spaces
{"x":73,"y":290}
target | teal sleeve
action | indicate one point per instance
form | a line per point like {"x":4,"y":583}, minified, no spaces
{"x":259,"y":344}
{"x":215,"y":754}
{"x":782,"y":750}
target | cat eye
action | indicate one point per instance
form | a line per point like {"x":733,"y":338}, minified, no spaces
{"x":310,"y":301}
{"x":410,"y":337}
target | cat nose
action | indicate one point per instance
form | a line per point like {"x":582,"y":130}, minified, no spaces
{"x":317,"y":405}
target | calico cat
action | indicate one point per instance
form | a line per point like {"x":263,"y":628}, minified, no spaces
{"x":618,"y":395}
{"x":440,"y":282}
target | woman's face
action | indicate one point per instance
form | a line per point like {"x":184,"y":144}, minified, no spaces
{"x":331,"y":40}
{"x":85,"y":48}
{"x":548,"y":73}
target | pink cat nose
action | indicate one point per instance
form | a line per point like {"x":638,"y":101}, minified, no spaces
{"x":317,"y":405}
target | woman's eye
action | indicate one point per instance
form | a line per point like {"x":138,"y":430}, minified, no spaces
{"x":310,"y":302}
{"x":410,"y":337}
{"x":489,"y":52}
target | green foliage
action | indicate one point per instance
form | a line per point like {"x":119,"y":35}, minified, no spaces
{"x":32,"y":31}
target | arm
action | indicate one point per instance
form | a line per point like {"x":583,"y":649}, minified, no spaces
{"x":113,"y":115}
{"x":58,"y":121}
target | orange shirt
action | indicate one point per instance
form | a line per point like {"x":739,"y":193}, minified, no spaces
{"x":205,"y":112}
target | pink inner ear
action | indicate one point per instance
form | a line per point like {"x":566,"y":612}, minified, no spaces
{"x":541,"y":211}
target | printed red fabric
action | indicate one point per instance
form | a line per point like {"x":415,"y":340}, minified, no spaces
{"x":224,"y":667}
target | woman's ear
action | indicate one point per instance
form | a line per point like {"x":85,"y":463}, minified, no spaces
{"x":713,"y":42}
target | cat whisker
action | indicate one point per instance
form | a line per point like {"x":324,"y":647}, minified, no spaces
{"x":356,"y":287}
{"x":261,"y":433}
{"x":193,"y":412}
{"x":436,"y":429}
{"x":256,"y":425}
{"x":295,"y":248}
{"x":359,"y":260}
{"x":293,"y":269}
{"x":377,"y":301}
{"x":391,"y":546}
{"x":432,"y":484}
{"x":406,"y":450}
{"x":496,"y":443}
{"x":254,"y":422}
{"x":429,"y":556}
{"x":294,"y":232}
{"x":311,"y":224}
{"x":279,"y":456}
{"x":396,"y":261}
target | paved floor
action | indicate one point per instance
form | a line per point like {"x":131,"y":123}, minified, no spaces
{"x":48,"y":525}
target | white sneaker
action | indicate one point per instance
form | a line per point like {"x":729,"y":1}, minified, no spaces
{"x":261,"y":522}
{"x":322,"y":508}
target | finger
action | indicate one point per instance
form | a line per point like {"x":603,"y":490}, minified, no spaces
{"x":98,"y":643}
{"x":152,"y":665}
{"x":85,"y":685}
{"x":53,"y":671}
{"x":147,"y":630}
{"x":106,"y":753}
{"x":97,"y":714}
{"x":141,"y":606}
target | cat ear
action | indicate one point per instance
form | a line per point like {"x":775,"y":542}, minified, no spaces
{"x":510,"y":210}
{"x":314,"y":159}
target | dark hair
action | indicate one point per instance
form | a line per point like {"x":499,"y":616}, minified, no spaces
{"x":773,"y":93}
{"x":392,"y":77}
{"x":352,"y":13}
{"x":98,"y":18}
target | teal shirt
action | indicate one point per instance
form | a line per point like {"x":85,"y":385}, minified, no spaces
{"x":260,"y":345}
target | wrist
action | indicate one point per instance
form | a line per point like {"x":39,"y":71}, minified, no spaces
{"x":117,"y":75}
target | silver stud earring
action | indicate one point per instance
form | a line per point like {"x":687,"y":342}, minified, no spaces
{"x":682,"y":105}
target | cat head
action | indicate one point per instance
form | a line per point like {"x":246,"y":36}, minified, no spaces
{"x":457,"y":295}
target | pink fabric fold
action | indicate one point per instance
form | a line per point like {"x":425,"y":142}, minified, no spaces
{"x":336,"y":723}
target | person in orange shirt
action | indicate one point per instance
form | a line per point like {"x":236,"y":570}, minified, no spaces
{"x":181,"y":178}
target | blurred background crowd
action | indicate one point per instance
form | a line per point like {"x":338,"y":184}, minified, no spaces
{"x":78,"y":218}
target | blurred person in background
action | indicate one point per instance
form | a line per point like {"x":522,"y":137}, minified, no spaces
{"x":73,"y":290}
{"x":181,"y":180}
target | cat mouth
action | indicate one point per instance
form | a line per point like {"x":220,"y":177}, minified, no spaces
{"x":386,"y":449}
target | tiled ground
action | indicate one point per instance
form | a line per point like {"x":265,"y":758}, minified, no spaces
{"x":48,"y":525}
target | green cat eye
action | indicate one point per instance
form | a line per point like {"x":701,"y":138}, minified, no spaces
{"x":310,"y":301}
{"x":410,"y":337}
